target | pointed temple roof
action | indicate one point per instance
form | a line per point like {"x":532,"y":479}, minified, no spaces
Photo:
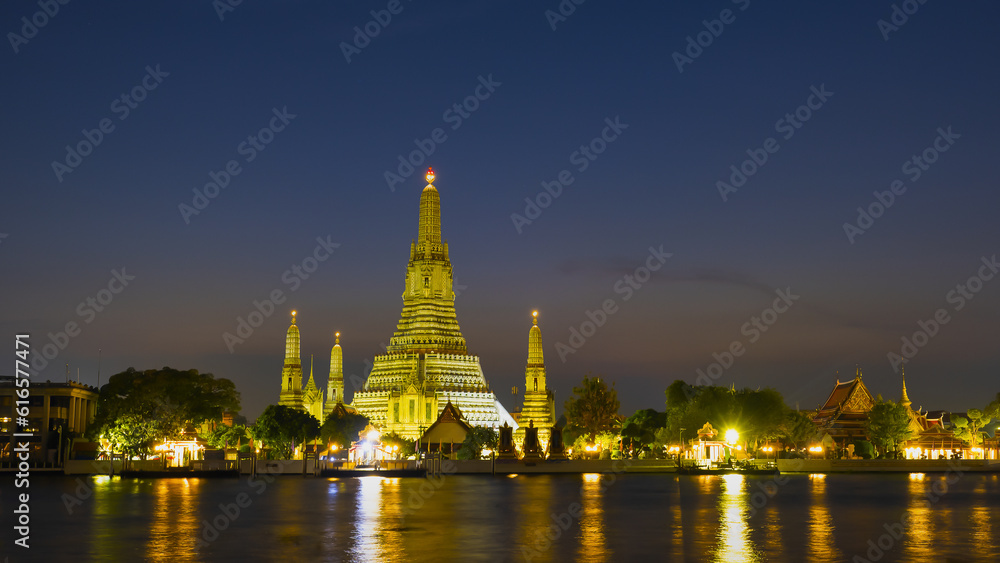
{"x":904,"y":399}
{"x":428,"y":322}
{"x":336,"y":360}
{"x":292,"y":345}
{"x":849,"y":396}
{"x":535,"y":358}
{"x":451,"y":415}
{"x":311,"y":385}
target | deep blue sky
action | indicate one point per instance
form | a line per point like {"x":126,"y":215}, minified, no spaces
{"x":654,"y":185}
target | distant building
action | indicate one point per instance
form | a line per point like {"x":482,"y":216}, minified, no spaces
{"x":844,"y":414}
{"x":309,"y":398}
{"x":539,"y":401}
{"x":70,"y":405}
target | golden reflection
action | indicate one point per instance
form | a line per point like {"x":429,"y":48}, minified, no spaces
{"x":593,"y":544}
{"x":821,"y":546}
{"x":534,"y":530}
{"x":103,"y":536}
{"x":919,"y":524}
{"x":377,"y":537}
{"x":734,"y":535}
{"x":676,"y":526}
{"x":174,"y":529}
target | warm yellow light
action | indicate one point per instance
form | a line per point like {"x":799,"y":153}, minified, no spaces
{"x":732,"y":436}
{"x":430,"y":175}
{"x":294,"y":313}
{"x":335,"y":447}
{"x":486,"y":452}
{"x":816,"y":449}
{"x":534,"y":313}
{"x":373,"y":435}
{"x":337,"y":334}
{"x":591,"y":448}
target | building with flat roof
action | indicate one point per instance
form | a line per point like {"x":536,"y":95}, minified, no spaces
{"x":70,"y":406}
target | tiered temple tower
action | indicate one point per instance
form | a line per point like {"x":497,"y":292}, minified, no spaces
{"x":426,"y":363}
{"x":335,"y":385}
{"x":291,"y":373}
{"x":539,"y":401}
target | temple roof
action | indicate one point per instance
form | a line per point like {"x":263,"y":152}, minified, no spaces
{"x":849,"y":396}
{"x":449,"y":415}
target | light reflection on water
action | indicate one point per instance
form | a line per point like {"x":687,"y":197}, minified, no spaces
{"x":734,"y":537}
{"x":174,"y":526}
{"x":487,"y":518}
{"x":821,"y":528}
{"x":592,"y":542}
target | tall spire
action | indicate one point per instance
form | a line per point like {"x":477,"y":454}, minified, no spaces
{"x":311,"y":385}
{"x":335,"y":385}
{"x":291,"y":372}
{"x":428,"y":322}
{"x":292,"y":339}
{"x":535,"y":358}
{"x":904,"y":400}
{"x":429,"y":229}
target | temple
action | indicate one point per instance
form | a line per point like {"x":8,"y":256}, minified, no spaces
{"x":426,"y":363}
{"x":539,"y":401}
{"x":335,"y":384}
{"x":309,"y":398}
{"x":845,"y":412}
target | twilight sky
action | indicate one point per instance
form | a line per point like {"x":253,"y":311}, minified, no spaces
{"x":838,"y":105}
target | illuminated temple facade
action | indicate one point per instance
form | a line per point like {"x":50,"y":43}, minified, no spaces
{"x":426,"y":363}
{"x":310,"y":398}
{"x":539,"y":401}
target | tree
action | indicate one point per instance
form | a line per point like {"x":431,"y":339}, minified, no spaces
{"x":641,"y":428}
{"x":992,"y":410}
{"x":797,"y":428}
{"x":888,"y":425}
{"x":342,"y":427}
{"x":136,"y":409}
{"x":228,"y":436}
{"x":593,"y":407}
{"x":281,"y":427}
{"x":478,"y":439}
